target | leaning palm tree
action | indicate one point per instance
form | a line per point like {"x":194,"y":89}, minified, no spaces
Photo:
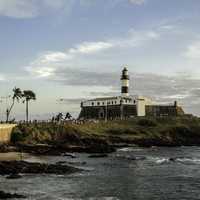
{"x":28,"y":95}
{"x":17,"y":95}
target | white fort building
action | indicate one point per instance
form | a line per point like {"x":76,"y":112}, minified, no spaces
{"x":126,"y":105}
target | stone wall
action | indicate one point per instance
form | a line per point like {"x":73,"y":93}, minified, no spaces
{"x":5,"y":132}
{"x":112,"y":112}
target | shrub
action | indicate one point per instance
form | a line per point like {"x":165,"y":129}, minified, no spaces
{"x":146,"y":122}
{"x":18,"y":135}
{"x":120,"y":131}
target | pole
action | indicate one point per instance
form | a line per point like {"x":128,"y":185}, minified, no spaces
{"x":106,"y":112}
{"x":121,"y":109}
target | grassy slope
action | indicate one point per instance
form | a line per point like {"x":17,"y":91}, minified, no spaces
{"x":143,"y":131}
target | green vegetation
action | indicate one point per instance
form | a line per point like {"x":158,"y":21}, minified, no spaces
{"x":142,"y":131}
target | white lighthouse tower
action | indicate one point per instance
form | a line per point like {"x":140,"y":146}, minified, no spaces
{"x":125,"y":83}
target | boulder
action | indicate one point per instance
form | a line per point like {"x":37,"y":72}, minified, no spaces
{"x":4,"y":195}
{"x":16,"y":167}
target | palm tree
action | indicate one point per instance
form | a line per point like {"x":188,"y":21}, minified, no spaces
{"x":28,"y":95}
{"x":17,"y":95}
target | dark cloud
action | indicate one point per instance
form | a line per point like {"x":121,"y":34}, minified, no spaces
{"x":70,"y":101}
{"x":86,"y":78}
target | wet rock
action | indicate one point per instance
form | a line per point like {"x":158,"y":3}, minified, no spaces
{"x":60,"y":162}
{"x":65,"y":149}
{"x":4,"y":195}
{"x":16,"y":167}
{"x":77,"y":163}
{"x":14,"y":176}
{"x":69,"y":155}
{"x":172,"y":159}
{"x":5,"y":148}
{"x":98,"y":156}
{"x":137,"y":158}
{"x":131,"y":157}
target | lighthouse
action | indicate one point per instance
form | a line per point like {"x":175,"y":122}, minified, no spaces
{"x":125,"y":83}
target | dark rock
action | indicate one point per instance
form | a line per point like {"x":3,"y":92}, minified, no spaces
{"x":14,"y":176}
{"x":98,"y":156}
{"x":4,"y":195}
{"x":69,"y":155}
{"x":136,"y":158}
{"x":60,"y":162}
{"x":77,"y":163}
{"x":5,"y":148}
{"x":131,"y":157}
{"x":88,"y":146}
{"x":16,"y":167}
{"x":172,"y":159}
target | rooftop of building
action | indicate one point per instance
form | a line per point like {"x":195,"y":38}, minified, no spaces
{"x":118,"y":97}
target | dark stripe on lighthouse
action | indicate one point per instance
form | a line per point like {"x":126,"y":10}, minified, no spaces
{"x":124,"y":89}
{"x":124,"y":77}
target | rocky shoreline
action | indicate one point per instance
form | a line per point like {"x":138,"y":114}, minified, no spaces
{"x":23,"y":167}
{"x":103,"y":138}
{"x":110,"y":145}
{"x":5,"y":195}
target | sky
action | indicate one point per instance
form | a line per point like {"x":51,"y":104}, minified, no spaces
{"x":76,"y":49}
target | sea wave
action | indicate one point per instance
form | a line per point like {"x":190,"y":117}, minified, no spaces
{"x":130,"y":149}
{"x":184,"y":160}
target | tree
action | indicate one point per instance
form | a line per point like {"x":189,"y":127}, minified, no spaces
{"x":28,"y":95}
{"x":68,"y":116}
{"x":59,"y":117}
{"x":17,"y":95}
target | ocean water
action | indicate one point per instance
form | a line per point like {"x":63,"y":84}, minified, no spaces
{"x":128,"y":174}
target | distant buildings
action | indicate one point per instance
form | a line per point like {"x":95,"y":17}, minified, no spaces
{"x":126,"y":105}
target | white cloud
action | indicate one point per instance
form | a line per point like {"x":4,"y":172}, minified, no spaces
{"x":2,"y":77}
{"x":193,"y":51}
{"x":167,"y":27}
{"x":31,"y":8}
{"x":46,"y":63}
{"x":91,"y":47}
{"x":137,"y":2}
{"x":34,"y":8}
{"x":53,"y":57}
{"x":18,"y":8}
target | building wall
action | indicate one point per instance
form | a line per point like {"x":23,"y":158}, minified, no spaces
{"x":128,"y":111}
{"x":5,"y":132}
{"x":163,"y":110}
{"x":112,"y":112}
{"x":111,"y":101}
{"x":125,"y":107}
{"x":141,"y":110}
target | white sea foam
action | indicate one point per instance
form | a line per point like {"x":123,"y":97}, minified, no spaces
{"x":189,"y":160}
{"x":162,"y":160}
{"x":130,"y":149}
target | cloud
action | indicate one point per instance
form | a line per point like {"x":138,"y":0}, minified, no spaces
{"x":18,"y":9}
{"x":31,"y":8}
{"x":91,"y":47}
{"x":193,"y":51}
{"x":70,"y":101}
{"x":46,"y":63}
{"x":2,"y":77}
{"x":137,"y":2}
